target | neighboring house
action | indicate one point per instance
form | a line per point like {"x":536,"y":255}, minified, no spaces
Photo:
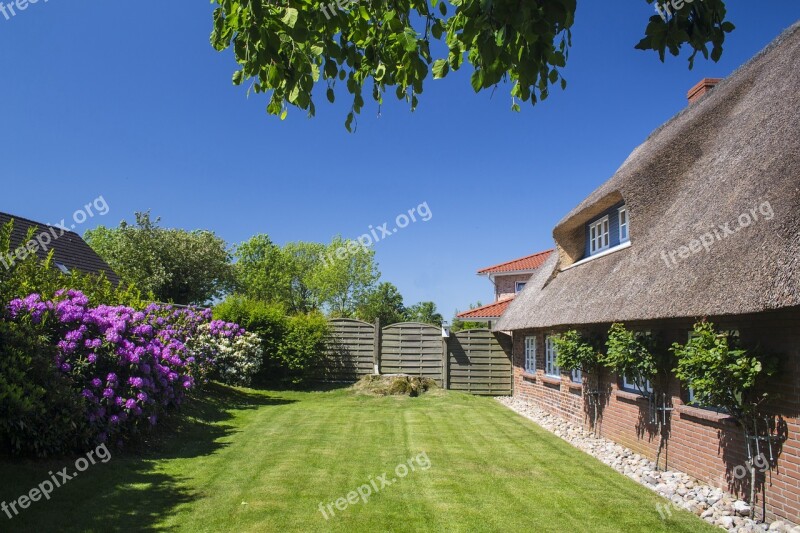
{"x":70,"y":251}
{"x":509,"y":279}
{"x":701,"y":220}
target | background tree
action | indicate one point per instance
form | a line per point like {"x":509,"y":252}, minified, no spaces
{"x":345,"y":275}
{"x":385,"y":302}
{"x":424,"y":312}
{"x":460,"y":325}
{"x":302,"y":260}
{"x":175,"y":265}
{"x":261,"y":271}
{"x":285,"y":51}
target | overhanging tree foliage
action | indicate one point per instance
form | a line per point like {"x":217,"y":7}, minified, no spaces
{"x":287,"y":48}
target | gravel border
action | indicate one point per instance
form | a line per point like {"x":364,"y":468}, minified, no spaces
{"x":713,"y":505}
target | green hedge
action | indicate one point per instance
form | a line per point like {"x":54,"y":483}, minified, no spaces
{"x":293,"y":345}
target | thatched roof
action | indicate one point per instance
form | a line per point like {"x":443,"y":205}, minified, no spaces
{"x":735,"y":149}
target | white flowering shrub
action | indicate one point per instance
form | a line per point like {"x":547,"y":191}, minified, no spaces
{"x":232,"y":355}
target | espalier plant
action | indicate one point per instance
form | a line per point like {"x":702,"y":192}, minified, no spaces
{"x":727,"y":376}
{"x":286,"y":49}
{"x":576,"y":352}
{"x":721,"y":373}
{"x":633,"y":355}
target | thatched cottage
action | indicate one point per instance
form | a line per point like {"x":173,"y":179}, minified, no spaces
{"x":701,"y":220}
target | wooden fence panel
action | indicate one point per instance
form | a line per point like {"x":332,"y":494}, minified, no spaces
{"x":350,"y":350}
{"x":412,"y":348}
{"x":480,"y":362}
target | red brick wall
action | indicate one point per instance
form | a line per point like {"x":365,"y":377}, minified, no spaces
{"x":702,"y":443}
{"x":505,"y":286}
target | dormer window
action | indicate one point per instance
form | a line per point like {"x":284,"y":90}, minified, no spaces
{"x":599,"y":236}
{"x":519,"y":286}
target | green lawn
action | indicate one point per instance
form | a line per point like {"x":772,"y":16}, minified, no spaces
{"x":243,"y":460}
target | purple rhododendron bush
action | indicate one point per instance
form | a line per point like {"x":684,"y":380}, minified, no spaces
{"x":73,"y":376}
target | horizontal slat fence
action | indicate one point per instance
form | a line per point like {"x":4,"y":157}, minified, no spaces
{"x":474,"y":361}
{"x":350,"y":350}
{"x":412,"y":348}
{"x":480,"y":362}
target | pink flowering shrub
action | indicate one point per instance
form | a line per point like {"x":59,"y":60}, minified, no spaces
{"x":127,"y":367}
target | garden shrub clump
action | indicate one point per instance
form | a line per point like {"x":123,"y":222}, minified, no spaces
{"x":73,"y":376}
{"x":293,"y":347}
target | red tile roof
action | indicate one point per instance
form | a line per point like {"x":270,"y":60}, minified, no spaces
{"x":491,"y":311}
{"x":529,"y":262}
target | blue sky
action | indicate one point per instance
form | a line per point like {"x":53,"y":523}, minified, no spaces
{"x":129,"y":101}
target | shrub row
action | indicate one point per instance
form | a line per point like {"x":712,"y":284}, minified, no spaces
{"x":73,"y":376}
{"x":293,"y":346}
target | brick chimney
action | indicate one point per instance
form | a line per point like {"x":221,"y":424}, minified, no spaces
{"x":705,"y":85}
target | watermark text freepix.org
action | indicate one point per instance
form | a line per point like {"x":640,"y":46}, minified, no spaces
{"x":374,"y":486}
{"x":723,"y":231}
{"x":10,"y":9}
{"x":42,"y":241}
{"x":366,"y":240}
{"x":664,"y":10}
{"x":57,"y":480}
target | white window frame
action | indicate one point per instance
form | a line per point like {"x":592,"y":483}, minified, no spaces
{"x":530,"y":354}
{"x":550,"y":355}
{"x":577,"y":376}
{"x":599,"y":236}
{"x":517,"y":289}
{"x":629,"y":385}
{"x":623,"y":212}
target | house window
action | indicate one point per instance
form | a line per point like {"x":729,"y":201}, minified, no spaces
{"x":550,"y":367}
{"x":62,"y":267}
{"x":598,"y":236}
{"x":623,"y":224}
{"x":577,"y":376}
{"x":530,"y":354}
{"x":519,"y":286}
{"x":628,"y":384}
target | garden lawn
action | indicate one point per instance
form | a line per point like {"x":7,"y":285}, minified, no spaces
{"x":242,"y":460}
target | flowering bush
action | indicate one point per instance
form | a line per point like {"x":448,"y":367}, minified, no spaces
{"x":126,"y":366}
{"x":227,"y":352}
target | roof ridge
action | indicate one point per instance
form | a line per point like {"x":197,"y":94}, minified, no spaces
{"x":37,"y":223}
{"x":551,"y":250}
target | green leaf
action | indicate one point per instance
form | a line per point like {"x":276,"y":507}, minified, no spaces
{"x":477,"y":80}
{"x":290,"y":17}
{"x":284,"y":113}
{"x":440,"y":68}
{"x":330,"y":95}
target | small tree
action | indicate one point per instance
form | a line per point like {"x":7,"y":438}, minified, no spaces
{"x":631,"y":355}
{"x":577,"y":352}
{"x":723,"y":374}
{"x":638,"y":357}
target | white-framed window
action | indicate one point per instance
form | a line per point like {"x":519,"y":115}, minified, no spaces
{"x":598,"y":236}
{"x":623,"y":224}
{"x":530,"y":354}
{"x":631,"y":386}
{"x":519,"y":286}
{"x":577,"y":376}
{"x":550,"y":367}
